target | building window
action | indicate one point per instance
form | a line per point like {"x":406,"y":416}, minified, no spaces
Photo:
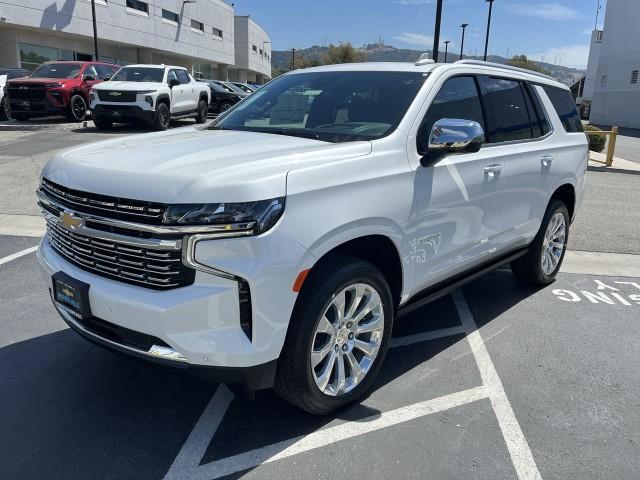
{"x":196,"y":25}
{"x":217,"y":32}
{"x":255,"y":49}
{"x":634,"y":76}
{"x":171,"y":16}
{"x":138,"y":5}
{"x":32,"y":56}
{"x":603,"y":81}
{"x":599,"y":35}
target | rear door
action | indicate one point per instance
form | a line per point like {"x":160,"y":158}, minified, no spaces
{"x":521,"y":147}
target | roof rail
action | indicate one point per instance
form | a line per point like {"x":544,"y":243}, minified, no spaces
{"x":504,"y":67}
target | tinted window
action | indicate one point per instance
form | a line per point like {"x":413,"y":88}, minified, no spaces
{"x":104,"y":71}
{"x":90,"y":72}
{"x":139,"y":74}
{"x":338,"y":106}
{"x":169,"y":15}
{"x":458,"y":98}
{"x":225,"y":87}
{"x":182,"y":76}
{"x":57,"y":70}
{"x":138,"y":5}
{"x":506,"y":110}
{"x":565,"y":108}
{"x":539,"y":123}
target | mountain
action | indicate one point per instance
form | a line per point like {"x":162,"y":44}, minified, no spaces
{"x":378,"y":52}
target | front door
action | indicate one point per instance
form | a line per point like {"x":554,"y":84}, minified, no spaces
{"x":447,"y":228}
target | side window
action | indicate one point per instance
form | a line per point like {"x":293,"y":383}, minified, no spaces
{"x":457,"y":98}
{"x":90,"y":72}
{"x":182,"y":76}
{"x":171,"y":76}
{"x":104,"y":71}
{"x":565,"y":108}
{"x":539,"y":122}
{"x":506,"y":109}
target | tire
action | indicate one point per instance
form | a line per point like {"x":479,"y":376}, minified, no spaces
{"x":296,"y":378}
{"x":532,"y":268}
{"x":77,"y":108}
{"x":5,"y":113}
{"x":162,"y":119}
{"x":102,"y":123}
{"x":224,"y":106}
{"x":203,"y":110}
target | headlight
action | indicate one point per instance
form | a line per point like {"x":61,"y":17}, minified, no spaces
{"x":54,"y":85}
{"x":252,"y":217}
{"x":142,"y":92}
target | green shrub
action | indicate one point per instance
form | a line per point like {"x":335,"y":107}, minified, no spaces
{"x":597,"y":140}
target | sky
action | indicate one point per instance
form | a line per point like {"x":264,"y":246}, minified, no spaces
{"x":555,"y":31}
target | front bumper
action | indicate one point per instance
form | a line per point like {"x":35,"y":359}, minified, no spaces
{"x":36,"y":108}
{"x":200,"y":323}
{"x":123,"y":112}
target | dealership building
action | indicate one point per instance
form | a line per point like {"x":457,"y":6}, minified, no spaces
{"x":204,"y":36}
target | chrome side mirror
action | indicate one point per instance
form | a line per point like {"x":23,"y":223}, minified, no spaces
{"x":452,"y":136}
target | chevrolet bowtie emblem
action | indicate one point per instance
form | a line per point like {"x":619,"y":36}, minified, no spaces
{"x":70,"y":221}
{"x":115,"y":94}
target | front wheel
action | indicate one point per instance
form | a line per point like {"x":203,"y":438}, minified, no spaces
{"x":162,"y":119}
{"x":77,"y":108}
{"x":102,"y":123}
{"x":543,"y":260}
{"x":203,"y":109}
{"x":338,"y":336}
{"x":5,"y":110}
{"x":224,"y":106}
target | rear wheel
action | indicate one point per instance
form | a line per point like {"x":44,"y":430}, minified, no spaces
{"x":162,"y":119}
{"x":543,"y":260}
{"x":77,"y":108}
{"x":203,"y":109}
{"x":338,"y":336}
{"x":5,"y":111}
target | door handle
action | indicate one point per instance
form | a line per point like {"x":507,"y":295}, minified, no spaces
{"x":546,"y":161}
{"x":491,"y":171}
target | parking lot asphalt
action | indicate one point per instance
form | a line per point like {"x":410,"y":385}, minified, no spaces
{"x":496,"y":381}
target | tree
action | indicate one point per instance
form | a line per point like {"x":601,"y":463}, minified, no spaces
{"x":521,"y":61}
{"x":343,"y":53}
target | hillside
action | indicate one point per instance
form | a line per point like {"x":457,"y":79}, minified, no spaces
{"x":281,"y":60}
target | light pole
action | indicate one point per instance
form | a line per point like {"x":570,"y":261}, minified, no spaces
{"x":293,"y":59}
{"x":95,"y":29}
{"x":486,"y":41}
{"x":463,"y":26}
{"x":436,"y":32}
{"x":446,"y":49}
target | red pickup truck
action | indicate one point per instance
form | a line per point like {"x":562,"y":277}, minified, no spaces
{"x":56,"y":88}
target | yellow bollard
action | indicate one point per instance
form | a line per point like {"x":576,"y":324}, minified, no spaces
{"x":612,"y":146}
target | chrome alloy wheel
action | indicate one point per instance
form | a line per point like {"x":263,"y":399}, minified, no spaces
{"x":347,"y":339}
{"x":554,"y":243}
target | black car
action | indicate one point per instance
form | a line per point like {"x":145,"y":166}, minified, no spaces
{"x":8,"y":74}
{"x":222,"y":96}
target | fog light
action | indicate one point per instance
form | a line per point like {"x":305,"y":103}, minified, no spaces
{"x":164,"y":352}
{"x":149,"y":99}
{"x":92,"y":98}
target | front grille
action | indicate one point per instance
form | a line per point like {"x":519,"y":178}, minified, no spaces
{"x":105,"y":206}
{"x":116,"y":96}
{"x":151,"y":268}
{"x":26,"y":92}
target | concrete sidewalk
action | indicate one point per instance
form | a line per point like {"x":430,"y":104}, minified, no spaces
{"x":596,"y":162}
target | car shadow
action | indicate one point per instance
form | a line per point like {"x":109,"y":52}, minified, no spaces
{"x":120,"y":128}
{"x":73,"y":410}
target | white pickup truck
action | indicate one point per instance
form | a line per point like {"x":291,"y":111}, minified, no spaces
{"x":151,"y":94}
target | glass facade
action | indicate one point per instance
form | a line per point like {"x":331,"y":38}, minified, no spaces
{"x":32,"y":56}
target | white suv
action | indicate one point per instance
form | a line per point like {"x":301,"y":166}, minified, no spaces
{"x":275,"y":246}
{"x":151,"y":94}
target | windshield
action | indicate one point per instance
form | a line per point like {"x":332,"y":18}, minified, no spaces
{"x":225,"y":87}
{"x":57,"y":70}
{"x":139,"y":74}
{"x":337,"y":106}
{"x":243,"y":87}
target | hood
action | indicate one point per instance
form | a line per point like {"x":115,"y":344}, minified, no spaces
{"x":193,"y":165}
{"x":38,"y":81}
{"x":126,"y":86}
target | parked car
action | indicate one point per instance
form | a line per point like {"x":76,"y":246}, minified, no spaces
{"x":151,"y":94}
{"x":222,"y":96}
{"x":245,"y":87}
{"x":8,"y":74}
{"x":56,"y":88}
{"x":276,"y":246}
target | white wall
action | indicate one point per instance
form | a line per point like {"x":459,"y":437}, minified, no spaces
{"x":247,"y":34}
{"x":592,"y":66}
{"x":616,"y":101}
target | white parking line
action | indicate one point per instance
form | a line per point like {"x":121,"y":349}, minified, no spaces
{"x":19,"y":254}
{"x":187,"y":464}
{"x":517,"y":445}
